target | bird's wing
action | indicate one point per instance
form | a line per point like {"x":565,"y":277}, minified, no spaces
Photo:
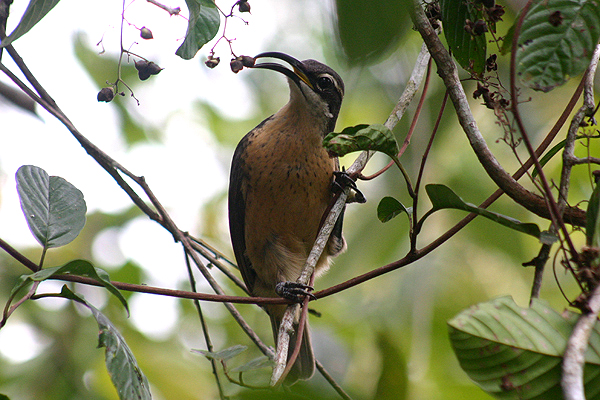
{"x":237,"y":214}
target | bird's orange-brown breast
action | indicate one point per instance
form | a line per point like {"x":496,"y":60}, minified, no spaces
{"x":287,"y":189}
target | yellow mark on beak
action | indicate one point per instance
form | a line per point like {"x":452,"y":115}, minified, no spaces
{"x":303,"y":76}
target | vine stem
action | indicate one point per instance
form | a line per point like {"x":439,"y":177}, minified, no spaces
{"x":555,"y":214}
{"x":209,"y":345}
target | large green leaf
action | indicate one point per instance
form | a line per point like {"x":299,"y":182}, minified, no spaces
{"x":556,"y":42}
{"x":374,"y":137}
{"x":468,"y":49}
{"x":222,"y":355}
{"x":203,"y":25}
{"x":443,"y":197}
{"x":516,"y":353}
{"x":36,"y":10}
{"x":126,"y":375}
{"x":367,"y":30}
{"x":54,"y":209}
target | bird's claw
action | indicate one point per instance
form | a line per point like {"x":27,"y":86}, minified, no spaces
{"x":343,"y":180}
{"x":294,"y":291}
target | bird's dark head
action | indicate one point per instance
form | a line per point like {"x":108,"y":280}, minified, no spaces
{"x":321,"y":87}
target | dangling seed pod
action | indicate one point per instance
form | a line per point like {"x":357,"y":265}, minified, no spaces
{"x":146,"y":33}
{"x":243,"y":6}
{"x":146,"y":69}
{"x":236,"y":65}
{"x":212,"y":61}
{"x":106,"y":94}
{"x":153,"y":68}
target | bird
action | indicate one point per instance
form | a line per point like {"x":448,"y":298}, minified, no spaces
{"x":282,"y":181}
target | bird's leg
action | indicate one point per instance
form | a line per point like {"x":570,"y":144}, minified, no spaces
{"x":294,"y":291}
{"x":342,"y":180}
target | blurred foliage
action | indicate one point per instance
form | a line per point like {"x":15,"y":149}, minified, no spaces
{"x":384,"y":339}
{"x":367,"y":31}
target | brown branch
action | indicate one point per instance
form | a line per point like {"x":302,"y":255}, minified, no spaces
{"x":555,"y":214}
{"x":574,"y":356}
{"x":418,"y":254}
{"x":449,"y":74}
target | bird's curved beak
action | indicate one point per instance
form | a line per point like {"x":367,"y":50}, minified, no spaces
{"x":297,"y":73}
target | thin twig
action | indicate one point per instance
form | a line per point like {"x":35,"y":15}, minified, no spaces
{"x":586,"y":109}
{"x":414,"y":222}
{"x":171,"y":10}
{"x":209,"y":345}
{"x":412,"y":127}
{"x":332,"y":381}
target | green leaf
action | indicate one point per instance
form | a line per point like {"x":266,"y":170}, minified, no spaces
{"x":224,"y":354}
{"x":203,"y":25}
{"x":516,"y":353}
{"x":82,"y":268}
{"x":374,"y":137}
{"x":548,"y":156}
{"x":368,"y":30}
{"x":389,"y":208}
{"x":556,"y":42}
{"x":75,"y":267}
{"x":469,"y":50}
{"x":507,"y":41}
{"x":257,"y":363}
{"x":443,"y":197}
{"x":4,"y":397}
{"x":36,"y":10}
{"x":126,"y":375}
{"x":592,"y":222}
{"x":393,"y":380}
{"x":54,"y":209}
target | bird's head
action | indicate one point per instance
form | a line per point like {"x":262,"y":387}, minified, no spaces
{"x":321,"y":88}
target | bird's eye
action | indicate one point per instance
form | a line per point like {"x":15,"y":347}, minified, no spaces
{"x":324,"y":82}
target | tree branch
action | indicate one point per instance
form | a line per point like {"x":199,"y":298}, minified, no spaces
{"x":448,"y":72}
{"x":574,"y":357}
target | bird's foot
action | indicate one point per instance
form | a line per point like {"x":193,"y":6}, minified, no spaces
{"x":343,"y":180}
{"x":294,"y":291}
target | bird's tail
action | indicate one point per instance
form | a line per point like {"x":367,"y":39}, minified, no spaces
{"x":304,"y":366}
